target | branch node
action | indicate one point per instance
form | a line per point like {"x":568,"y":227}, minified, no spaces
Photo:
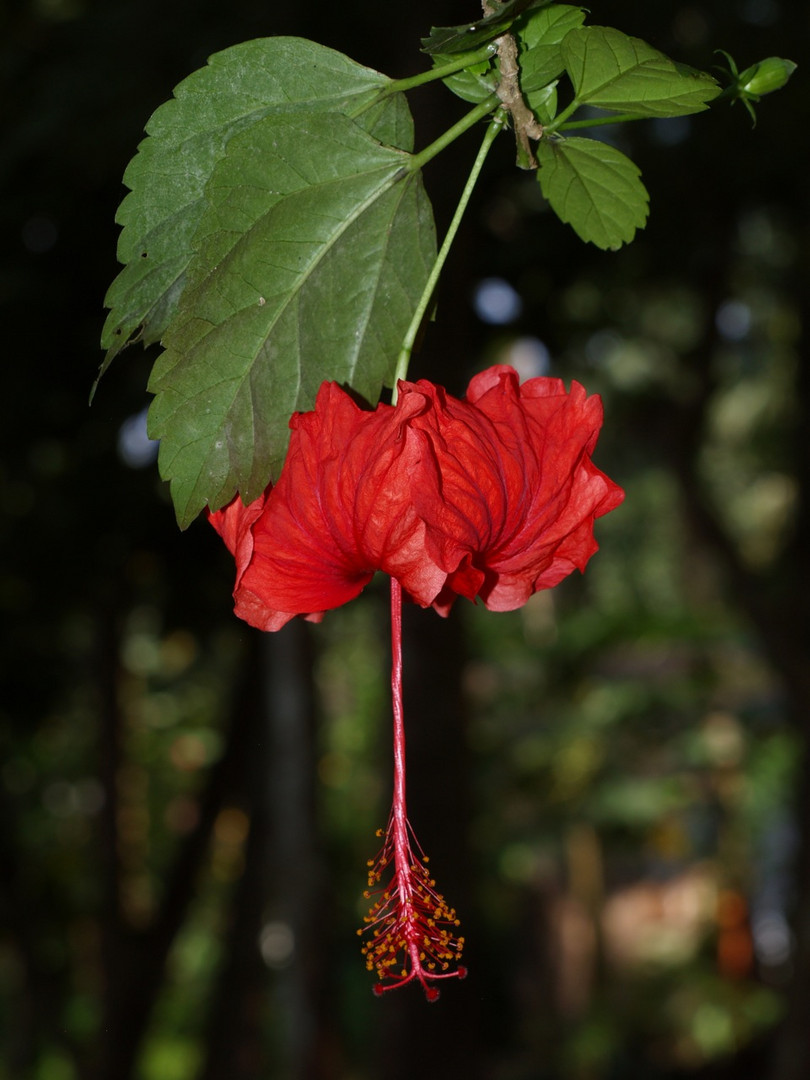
{"x":508,"y":90}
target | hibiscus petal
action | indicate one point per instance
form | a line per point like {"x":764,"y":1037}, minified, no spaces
{"x":339,"y":512}
{"x":511,"y":495}
{"x":234,"y":523}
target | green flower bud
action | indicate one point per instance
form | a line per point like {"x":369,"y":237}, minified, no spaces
{"x":764,"y":77}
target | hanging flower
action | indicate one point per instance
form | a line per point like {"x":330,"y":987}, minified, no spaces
{"x":494,"y":496}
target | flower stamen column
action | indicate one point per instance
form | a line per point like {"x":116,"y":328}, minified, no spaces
{"x":412,"y":931}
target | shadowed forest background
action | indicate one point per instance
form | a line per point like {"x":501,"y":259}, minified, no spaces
{"x":611,"y":782}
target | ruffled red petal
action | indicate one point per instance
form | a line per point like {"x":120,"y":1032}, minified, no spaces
{"x":511,"y":494}
{"x":340,"y":511}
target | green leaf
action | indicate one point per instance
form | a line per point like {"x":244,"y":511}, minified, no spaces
{"x":593,"y":188}
{"x":311,"y":257}
{"x":540,"y":34}
{"x":543,"y":102}
{"x":188,"y":135}
{"x":548,"y":26}
{"x":624,"y":74}
{"x":475,"y":83}
{"x":456,"y":39}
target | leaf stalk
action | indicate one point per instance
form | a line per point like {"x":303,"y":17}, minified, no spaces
{"x":418,"y":161}
{"x":561,"y":117}
{"x":401,"y":371}
{"x":594,"y":121}
{"x":443,"y":71}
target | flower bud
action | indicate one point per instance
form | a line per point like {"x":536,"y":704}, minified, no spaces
{"x":764,"y":77}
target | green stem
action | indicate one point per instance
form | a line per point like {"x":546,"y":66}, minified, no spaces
{"x":561,"y":117}
{"x":421,"y":159}
{"x":465,"y":60}
{"x":430,"y":285}
{"x":619,"y":118}
{"x":397,"y":86}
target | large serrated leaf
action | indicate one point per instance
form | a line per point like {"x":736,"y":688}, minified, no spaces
{"x":310,"y":261}
{"x":594,"y":188}
{"x":188,"y":135}
{"x":456,"y":39}
{"x":624,"y":74}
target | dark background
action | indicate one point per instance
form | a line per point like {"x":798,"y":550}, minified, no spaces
{"x":611,"y":783}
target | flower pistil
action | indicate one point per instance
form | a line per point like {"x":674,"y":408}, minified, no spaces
{"x":412,"y":930}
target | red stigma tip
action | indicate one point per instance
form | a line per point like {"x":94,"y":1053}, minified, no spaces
{"x":431,"y":993}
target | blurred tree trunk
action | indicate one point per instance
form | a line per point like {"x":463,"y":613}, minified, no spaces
{"x":294,"y":871}
{"x":271,"y":981}
{"x":267,"y":768}
{"x":233,"y":1032}
{"x":134,"y":960}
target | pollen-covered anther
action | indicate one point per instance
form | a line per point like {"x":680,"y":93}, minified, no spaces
{"x":410,"y":926}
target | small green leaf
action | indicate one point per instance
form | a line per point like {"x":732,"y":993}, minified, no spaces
{"x":540,"y":34}
{"x":310,"y":258}
{"x":188,"y":135}
{"x":543,"y":102}
{"x":549,"y":25}
{"x":456,"y":39}
{"x":593,"y":188}
{"x":624,"y":74}
{"x":475,"y":83}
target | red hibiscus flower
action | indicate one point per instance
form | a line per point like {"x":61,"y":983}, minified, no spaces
{"x":492,"y":496}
